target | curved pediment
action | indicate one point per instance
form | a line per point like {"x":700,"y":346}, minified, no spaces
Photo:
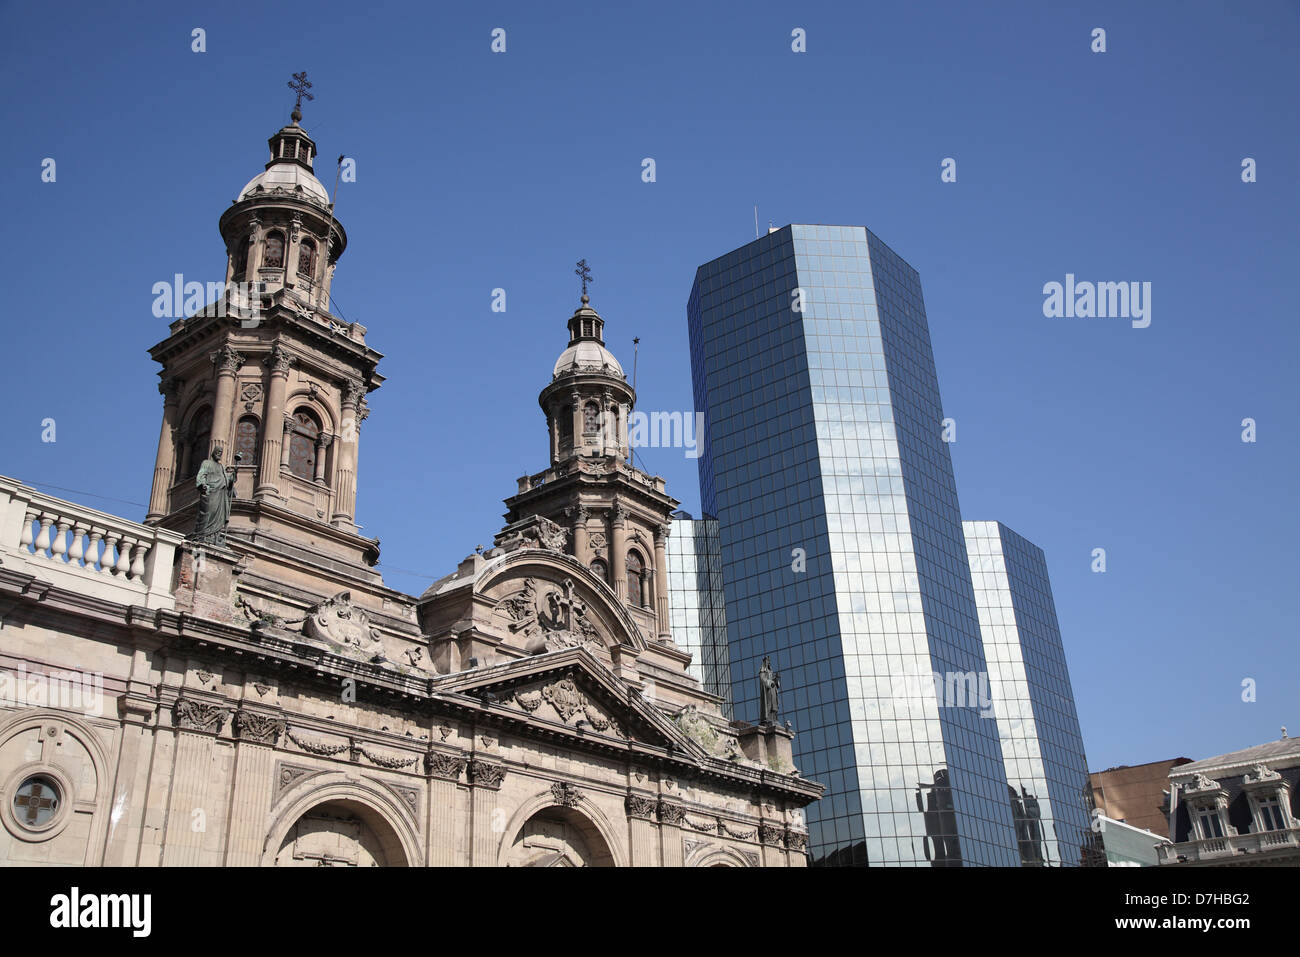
{"x":547,"y":601}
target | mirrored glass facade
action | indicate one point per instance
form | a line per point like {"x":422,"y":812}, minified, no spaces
{"x":696,"y":603}
{"x":1042,"y":748}
{"x":842,"y":548}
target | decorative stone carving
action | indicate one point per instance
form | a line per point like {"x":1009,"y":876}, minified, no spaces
{"x":280,"y":360}
{"x":771,"y":834}
{"x":671,"y":813}
{"x":598,"y":541}
{"x":642,"y":807}
{"x":1262,"y":773}
{"x":530,"y":701}
{"x":353,"y":392}
{"x":410,"y":795}
{"x":550,"y":621}
{"x":205,"y":677}
{"x":384,"y":760}
{"x":288,"y":774}
{"x":258,"y":728}
{"x":317,"y":747}
{"x":250,"y":393}
{"x":751,"y":857}
{"x":262,"y":689}
{"x":706,"y":827}
{"x":193,"y":715}
{"x":445,"y":730}
{"x":739,"y":834}
{"x":1201,"y":783}
{"x":439,"y":764}
{"x":341,"y":623}
{"x":487,"y":775}
{"x":565,"y":698}
{"x":227,"y":360}
{"x":532,"y":532}
{"x":796,"y":840}
{"x":565,"y":793}
{"x":695,"y":726}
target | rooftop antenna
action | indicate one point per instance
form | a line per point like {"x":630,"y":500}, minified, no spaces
{"x":755,"y":222}
{"x":636,"y":342}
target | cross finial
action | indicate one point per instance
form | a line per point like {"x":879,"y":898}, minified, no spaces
{"x":584,"y":273}
{"x":300,"y":85}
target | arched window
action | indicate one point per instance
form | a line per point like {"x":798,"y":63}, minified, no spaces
{"x":598,"y":569}
{"x":591,"y":417}
{"x":566,"y":425}
{"x":246,"y":440}
{"x":200,"y":442}
{"x":241,"y":260}
{"x":302,"y":445}
{"x":307,"y":259}
{"x":273,"y":252}
{"x":636,"y":579}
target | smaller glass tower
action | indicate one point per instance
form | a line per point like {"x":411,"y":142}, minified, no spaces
{"x":1042,"y":748}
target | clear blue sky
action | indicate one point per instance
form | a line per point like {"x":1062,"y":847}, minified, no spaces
{"x":477,"y":171}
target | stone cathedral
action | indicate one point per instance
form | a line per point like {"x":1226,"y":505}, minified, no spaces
{"x":230,"y":681}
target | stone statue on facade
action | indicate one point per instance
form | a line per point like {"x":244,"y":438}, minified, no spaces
{"x":769,"y":682}
{"x":216,"y":487}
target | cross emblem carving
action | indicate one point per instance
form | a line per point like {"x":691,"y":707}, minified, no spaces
{"x":33,"y":797}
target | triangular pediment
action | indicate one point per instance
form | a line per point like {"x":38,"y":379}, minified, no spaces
{"x":572,"y":689}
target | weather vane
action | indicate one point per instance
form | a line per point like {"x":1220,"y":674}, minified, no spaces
{"x":300,"y":85}
{"x":584,"y":273}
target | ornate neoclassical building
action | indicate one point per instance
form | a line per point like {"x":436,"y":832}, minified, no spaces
{"x":259,"y":696}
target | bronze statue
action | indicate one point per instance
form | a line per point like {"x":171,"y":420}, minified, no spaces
{"x":768,"y":684}
{"x":216,"y":491}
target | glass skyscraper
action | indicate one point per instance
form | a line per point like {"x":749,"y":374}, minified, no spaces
{"x":842,"y":549}
{"x":696,"y":602}
{"x":1042,"y":748}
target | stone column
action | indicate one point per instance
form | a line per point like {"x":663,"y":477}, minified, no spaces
{"x":163,"y":475}
{"x":345,"y":488}
{"x":618,"y":551}
{"x":577,"y":422}
{"x":661,"y":581}
{"x":228,"y":363}
{"x":623,"y":409}
{"x":273,"y":433}
{"x":286,"y":428}
{"x":581,"y":546}
{"x":323,"y":442}
{"x":608,"y":424}
{"x":553,"y":423}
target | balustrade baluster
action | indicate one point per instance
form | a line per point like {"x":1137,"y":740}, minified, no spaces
{"x":106,"y":559}
{"x":92,"y":549}
{"x":25,"y":540}
{"x":137,"y":561}
{"x":123,"y":565}
{"x":43,"y":539}
{"x":76,"y":548}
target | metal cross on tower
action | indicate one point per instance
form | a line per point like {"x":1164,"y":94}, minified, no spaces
{"x":584,"y":273}
{"x":300,"y":85}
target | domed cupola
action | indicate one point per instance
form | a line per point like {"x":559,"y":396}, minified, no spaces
{"x":589,"y":400}
{"x":281,"y":233}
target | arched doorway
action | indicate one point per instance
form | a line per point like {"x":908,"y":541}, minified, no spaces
{"x":559,"y":837}
{"x":340,"y":833}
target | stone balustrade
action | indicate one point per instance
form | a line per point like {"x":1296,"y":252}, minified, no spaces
{"x":1220,"y":849}
{"x":81,"y":548}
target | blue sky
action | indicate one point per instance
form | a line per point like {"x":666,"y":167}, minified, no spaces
{"x":478,"y":170}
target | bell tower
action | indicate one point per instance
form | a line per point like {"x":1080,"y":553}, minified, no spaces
{"x":617,"y":516}
{"x":267,"y":372}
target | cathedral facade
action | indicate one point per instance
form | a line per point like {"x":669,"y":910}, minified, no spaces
{"x":230,"y":681}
